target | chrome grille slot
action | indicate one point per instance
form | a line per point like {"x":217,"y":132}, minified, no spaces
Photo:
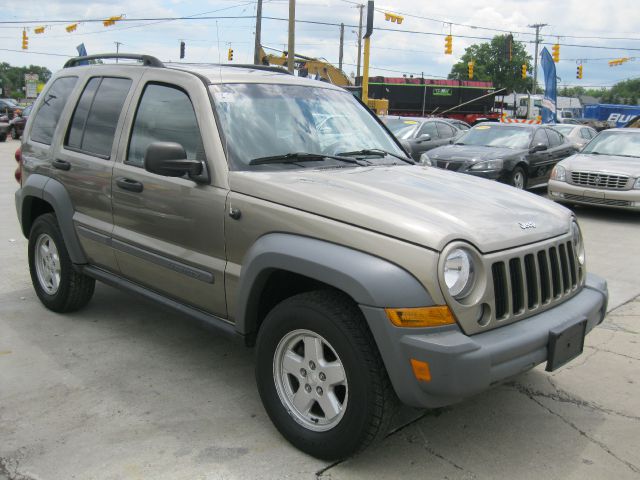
{"x":600,"y":180}
{"x":534,"y":279}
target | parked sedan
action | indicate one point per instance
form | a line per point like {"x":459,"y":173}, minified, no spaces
{"x":606,"y":172}
{"x":521,"y":155}
{"x":17,"y":123}
{"x":421,"y":134}
{"x":580,"y":135}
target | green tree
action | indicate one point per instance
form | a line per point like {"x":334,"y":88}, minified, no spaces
{"x":12,"y":78}
{"x":492,"y":64}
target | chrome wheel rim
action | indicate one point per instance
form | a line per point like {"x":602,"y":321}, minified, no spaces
{"x":518,"y":180}
{"x":310,"y":380}
{"x":47,"y":262}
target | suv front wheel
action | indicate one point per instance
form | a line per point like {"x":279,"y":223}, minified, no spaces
{"x":320,"y":376}
{"x":58,"y":286}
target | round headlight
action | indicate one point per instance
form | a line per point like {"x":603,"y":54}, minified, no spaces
{"x":458,"y":273}
{"x":578,"y":244}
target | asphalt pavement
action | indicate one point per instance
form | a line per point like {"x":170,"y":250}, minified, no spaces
{"x":126,"y":390}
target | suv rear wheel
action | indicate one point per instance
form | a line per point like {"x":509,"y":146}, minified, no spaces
{"x":320,"y":376}
{"x":58,"y":286}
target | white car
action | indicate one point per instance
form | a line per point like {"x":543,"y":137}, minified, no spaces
{"x":579,"y":135}
{"x":606,"y":172}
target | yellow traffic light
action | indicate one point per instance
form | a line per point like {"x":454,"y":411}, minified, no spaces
{"x":39,"y":30}
{"x":112,"y":20}
{"x":556,"y":52}
{"x":448,"y":45}
{"x":524,"y":71}
{"x":393,"y":18}
{"x":230,"y":54}
{"x":470,"y":66}
{"x":618,"y":61}
{"x":579,"y":72}
{"x":71,"y":28}
{"x":25,"y":40}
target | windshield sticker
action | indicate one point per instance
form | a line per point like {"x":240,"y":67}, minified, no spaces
{"x":483,"y":127}
{"x":410,"y":122}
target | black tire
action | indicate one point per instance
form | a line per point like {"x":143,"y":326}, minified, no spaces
{"x":518,"y":178}
{"x":14,"y":134}
{"x":3,"y":137}
{"x":371,"y":400}
{"x":74,"y":289}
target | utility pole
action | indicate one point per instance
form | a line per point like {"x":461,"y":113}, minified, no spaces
{"x":537,"y":26}
{"x":118,"y":49}
{"x":256,"y":49}
{"x":341,"y":46}
{"x":361,"y":7}
{"x":292,"y":34}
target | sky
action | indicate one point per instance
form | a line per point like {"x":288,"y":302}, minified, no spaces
{"x":393,"y":53}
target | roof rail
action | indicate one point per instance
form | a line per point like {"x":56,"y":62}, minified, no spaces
{"x":266,"y":68}
{"x":147,"y":60}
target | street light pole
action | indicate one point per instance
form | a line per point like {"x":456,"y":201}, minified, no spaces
{"x":118,"y":49}
{"x":537,"y":26}
{"x":256,"y":49}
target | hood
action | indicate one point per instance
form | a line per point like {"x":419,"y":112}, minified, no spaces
{"x":603,"y":163}
{"x":423,"y":205}
{"x":471,"y":153}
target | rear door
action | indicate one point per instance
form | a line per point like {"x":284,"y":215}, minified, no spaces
{"x":169,"y":234}
{"x":84,"y":160}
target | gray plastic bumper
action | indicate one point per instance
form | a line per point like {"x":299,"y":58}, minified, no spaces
{"x":463,"y":365}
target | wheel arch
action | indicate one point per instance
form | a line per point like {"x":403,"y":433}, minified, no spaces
{"x":280,"y":265}
{"x":41,"y":194}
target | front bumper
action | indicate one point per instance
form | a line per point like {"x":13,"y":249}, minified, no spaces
{"x":564,"y":192}
{"x":462,"y":365}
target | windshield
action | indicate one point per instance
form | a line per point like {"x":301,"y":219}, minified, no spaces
{"x":496,"y":136}
{"x":615,"y":143}
{"x":266,"y":120}
{"x":564,"y":129}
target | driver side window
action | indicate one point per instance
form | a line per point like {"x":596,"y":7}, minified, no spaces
{"x":429,"y":128}
{"x":540,"y":137}
{"x":165,"y":114}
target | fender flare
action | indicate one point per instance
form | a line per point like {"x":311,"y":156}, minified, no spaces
{"x":368,"y":279}
{"x":54,"y":193}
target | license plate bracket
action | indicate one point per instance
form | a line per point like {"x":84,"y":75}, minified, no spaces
{"x":565,"y":344}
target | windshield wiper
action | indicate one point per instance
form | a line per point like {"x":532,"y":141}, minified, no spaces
{"x":376,"y":151}
{"x":300,"y":157}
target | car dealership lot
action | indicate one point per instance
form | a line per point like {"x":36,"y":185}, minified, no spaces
{"x":124,"y":389}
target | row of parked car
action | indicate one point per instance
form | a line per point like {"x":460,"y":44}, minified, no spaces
{"x":13,"y":118}
{"x":580,"y":165}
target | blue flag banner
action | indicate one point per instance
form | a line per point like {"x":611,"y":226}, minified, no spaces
{"x":549,"y":101}
{"x":82,"y":52}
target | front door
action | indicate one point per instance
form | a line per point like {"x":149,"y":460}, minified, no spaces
{"x":169,"y":231}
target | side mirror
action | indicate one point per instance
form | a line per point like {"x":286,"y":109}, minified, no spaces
{"x":538,"y":148}
{"x":170,"y":160}
{"x":425,"y":137}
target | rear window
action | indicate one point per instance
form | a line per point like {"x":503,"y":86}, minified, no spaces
{"x":95,"y":119}
{"x":50,"y":109}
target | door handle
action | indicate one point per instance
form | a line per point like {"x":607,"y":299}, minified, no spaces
{"x":61,"y":164}
{"x":128,"y":184}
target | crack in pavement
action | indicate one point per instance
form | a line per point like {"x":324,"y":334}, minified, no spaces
{"x":565,"y":397}
{"x":614,"y":353}
{"x":425,"y":445}
{"x":9,"y":469}
{"x":602,"y":445}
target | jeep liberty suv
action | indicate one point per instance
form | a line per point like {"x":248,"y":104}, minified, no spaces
{"x":280,"y":211}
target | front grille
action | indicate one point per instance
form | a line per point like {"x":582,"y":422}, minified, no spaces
{"x":449,"y":165}
{"x":534,"y":279}
{"x":597,"y":201}
{"x":600,"y":180}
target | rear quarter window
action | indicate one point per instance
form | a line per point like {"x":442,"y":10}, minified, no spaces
{"x":50,"y":109}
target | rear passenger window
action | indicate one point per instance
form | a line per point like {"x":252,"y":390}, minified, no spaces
{"x":445,"y":131}
{"x":50,"y":109}
{"x":94,"y":122}
{"x":165,"y":114}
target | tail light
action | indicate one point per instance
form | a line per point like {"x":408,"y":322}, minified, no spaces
{"x":18,"y":172}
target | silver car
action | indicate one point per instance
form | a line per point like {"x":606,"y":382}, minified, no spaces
{"x":579,"y":135}
{"x":606,"y":172}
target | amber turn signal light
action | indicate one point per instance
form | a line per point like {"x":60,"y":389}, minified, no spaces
{"x":420,"y":317}
{"x":421,"y":370}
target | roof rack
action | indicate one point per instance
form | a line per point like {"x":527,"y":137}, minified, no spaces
{"x":266,"y":68}
{"x":147,"y":60}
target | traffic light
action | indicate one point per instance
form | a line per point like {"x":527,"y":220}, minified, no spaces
{"x":556,"y":52}
{"x":448,"y":45}
{"x":182,"y":45}
{"x":393,"y":18}
{"x":39,"y":30}
{"x":524,"y":71}
{"x":71,"y":28}
{"x":25,"y":40}
{"x":230,"y":54}
{"x":470,"y":67}
{"x":111,"y":20}
{"x":618,"y":61}
{"x":579,"y":72}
